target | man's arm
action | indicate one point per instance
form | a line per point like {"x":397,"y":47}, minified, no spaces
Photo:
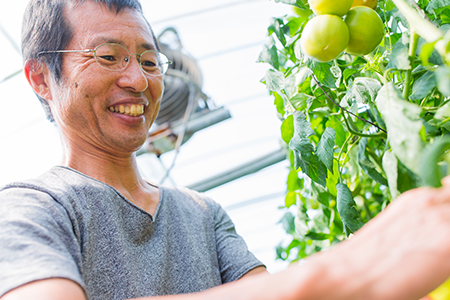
{"x":255,"y":271}
{"x":47,"y":289}
{"x":402,"y":254}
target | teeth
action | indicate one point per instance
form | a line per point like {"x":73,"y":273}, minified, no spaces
{"x":130,"y":110}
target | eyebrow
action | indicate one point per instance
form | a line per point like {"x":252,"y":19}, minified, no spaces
{"x":102,"y":40}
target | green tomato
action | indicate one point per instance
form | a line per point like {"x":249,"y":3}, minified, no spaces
{"x":324,"y":37}
{"x":369,"y":3}
{"x":330,"y":7}
{"x":365,"y":28}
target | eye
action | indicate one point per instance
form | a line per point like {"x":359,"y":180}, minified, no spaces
{"x":110,"y":58}
{"x":148,"y":64}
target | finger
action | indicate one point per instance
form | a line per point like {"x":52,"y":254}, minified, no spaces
{"x":443,"y":195}
{"x":446,"y":181}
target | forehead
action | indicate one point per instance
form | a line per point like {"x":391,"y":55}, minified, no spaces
{"x":94,"y":23}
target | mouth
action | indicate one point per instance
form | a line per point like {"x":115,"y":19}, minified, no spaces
{"x":133,"y":110}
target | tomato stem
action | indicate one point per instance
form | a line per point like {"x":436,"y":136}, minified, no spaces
{"x":423,"y":27}
{"x":413,"y":42}
{"x":349,"y":112}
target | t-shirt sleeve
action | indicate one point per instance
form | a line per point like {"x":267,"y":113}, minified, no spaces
{"x":37,"y":240}
{"x":234,"y":257}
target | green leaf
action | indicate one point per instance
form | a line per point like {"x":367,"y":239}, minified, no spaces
{"x":399,"y":57}
{"x":299,"y":101}
{"x":299,"y":3}
{"x":293,"y":182}
{"x":367,"y":165}
{"x":443,"y":112}
{"x":288,"y":222}
{"x":403,"y":125}
{"x":333,"y":179}
{"x":301,"y":221}
{"x":318,"y":236}
{"x":426,"y":51}
{"x":435,"y":4}
{"x":320,"y":193}
{"x":346,"y":208}
{"x":428,"y":54}
{"x":430,"y":172}
{"x":307,"y":161}
{"x":294,"y":25}
{"x":336,"y":124}
{"x":302,"y":127}
{"x":390,"y":166}
{"x":407,"y":180}
{"x":443,"y":79}
{"x":274,"y":80}
{"x":445,"y":16}
{"x":287,"y":129}
{"x":325,"y":148}
{"x":362,"y":90}
{"x":349,"y":72}
{"x":269,"y":54}
{"x":279,"y":103}
{"x":275,"y":27}
{"x":290,"y":86}
{"x":290,"y":199}
{"x":337,"y":73}
{"x":423,"y":86}
{"x":323,"y":73}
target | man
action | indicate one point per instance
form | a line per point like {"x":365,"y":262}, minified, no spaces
{"x":94,"y":220}
{"x":94,"y":229}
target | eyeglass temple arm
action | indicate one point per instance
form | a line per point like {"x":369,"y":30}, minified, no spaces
{"x":67,"y":51}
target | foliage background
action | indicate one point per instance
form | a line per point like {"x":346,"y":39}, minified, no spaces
{"x":359,"y":130}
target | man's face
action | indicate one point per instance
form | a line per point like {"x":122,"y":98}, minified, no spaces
{"x":87,"y":102}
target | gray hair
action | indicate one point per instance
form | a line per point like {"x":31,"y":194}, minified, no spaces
{"x":46,"y":28}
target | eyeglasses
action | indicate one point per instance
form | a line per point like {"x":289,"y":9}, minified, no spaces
{"x":115,"y":57}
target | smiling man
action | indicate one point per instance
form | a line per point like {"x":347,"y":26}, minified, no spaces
{"x":93,"y":223}
{"x":93,"y":228}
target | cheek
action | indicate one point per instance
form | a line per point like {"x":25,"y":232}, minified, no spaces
{"x":156,"y":88}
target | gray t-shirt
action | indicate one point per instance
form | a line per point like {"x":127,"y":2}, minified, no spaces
{"x":66,"y":224}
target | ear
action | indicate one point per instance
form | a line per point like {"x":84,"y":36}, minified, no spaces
{"x":38,"y":77}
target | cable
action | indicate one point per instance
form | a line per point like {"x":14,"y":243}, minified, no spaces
{"x":202,"y":11}
{"x":193,"y":92}
{"x":10,"y":76}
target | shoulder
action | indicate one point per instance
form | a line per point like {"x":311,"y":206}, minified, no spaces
{"x":56,"y":194}
{"x":50,"y":182}
{"x":184,"y":197}
{"x":184,"y":194}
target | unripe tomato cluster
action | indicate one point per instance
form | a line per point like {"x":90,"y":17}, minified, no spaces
{"x":327,"y":35}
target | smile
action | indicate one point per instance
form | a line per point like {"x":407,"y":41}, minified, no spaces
{"x":130,"y":110}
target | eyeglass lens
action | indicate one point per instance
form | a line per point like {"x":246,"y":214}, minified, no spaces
{"x":117,"y":57}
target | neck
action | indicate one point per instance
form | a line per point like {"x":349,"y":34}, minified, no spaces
{"x":118,"y":171}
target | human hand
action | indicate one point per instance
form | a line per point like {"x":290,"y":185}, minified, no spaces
{"x":402,"y":253}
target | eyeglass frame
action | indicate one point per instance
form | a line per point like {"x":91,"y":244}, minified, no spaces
{"x":127,"y":63}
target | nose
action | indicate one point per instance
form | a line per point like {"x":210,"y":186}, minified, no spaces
{"x":132,"y":77}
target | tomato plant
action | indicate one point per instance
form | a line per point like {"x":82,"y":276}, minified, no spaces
{"x":365,"y":28}
{"x":360,"y":129}
{"x":319,"y":37}
{"x":330,"y":7}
